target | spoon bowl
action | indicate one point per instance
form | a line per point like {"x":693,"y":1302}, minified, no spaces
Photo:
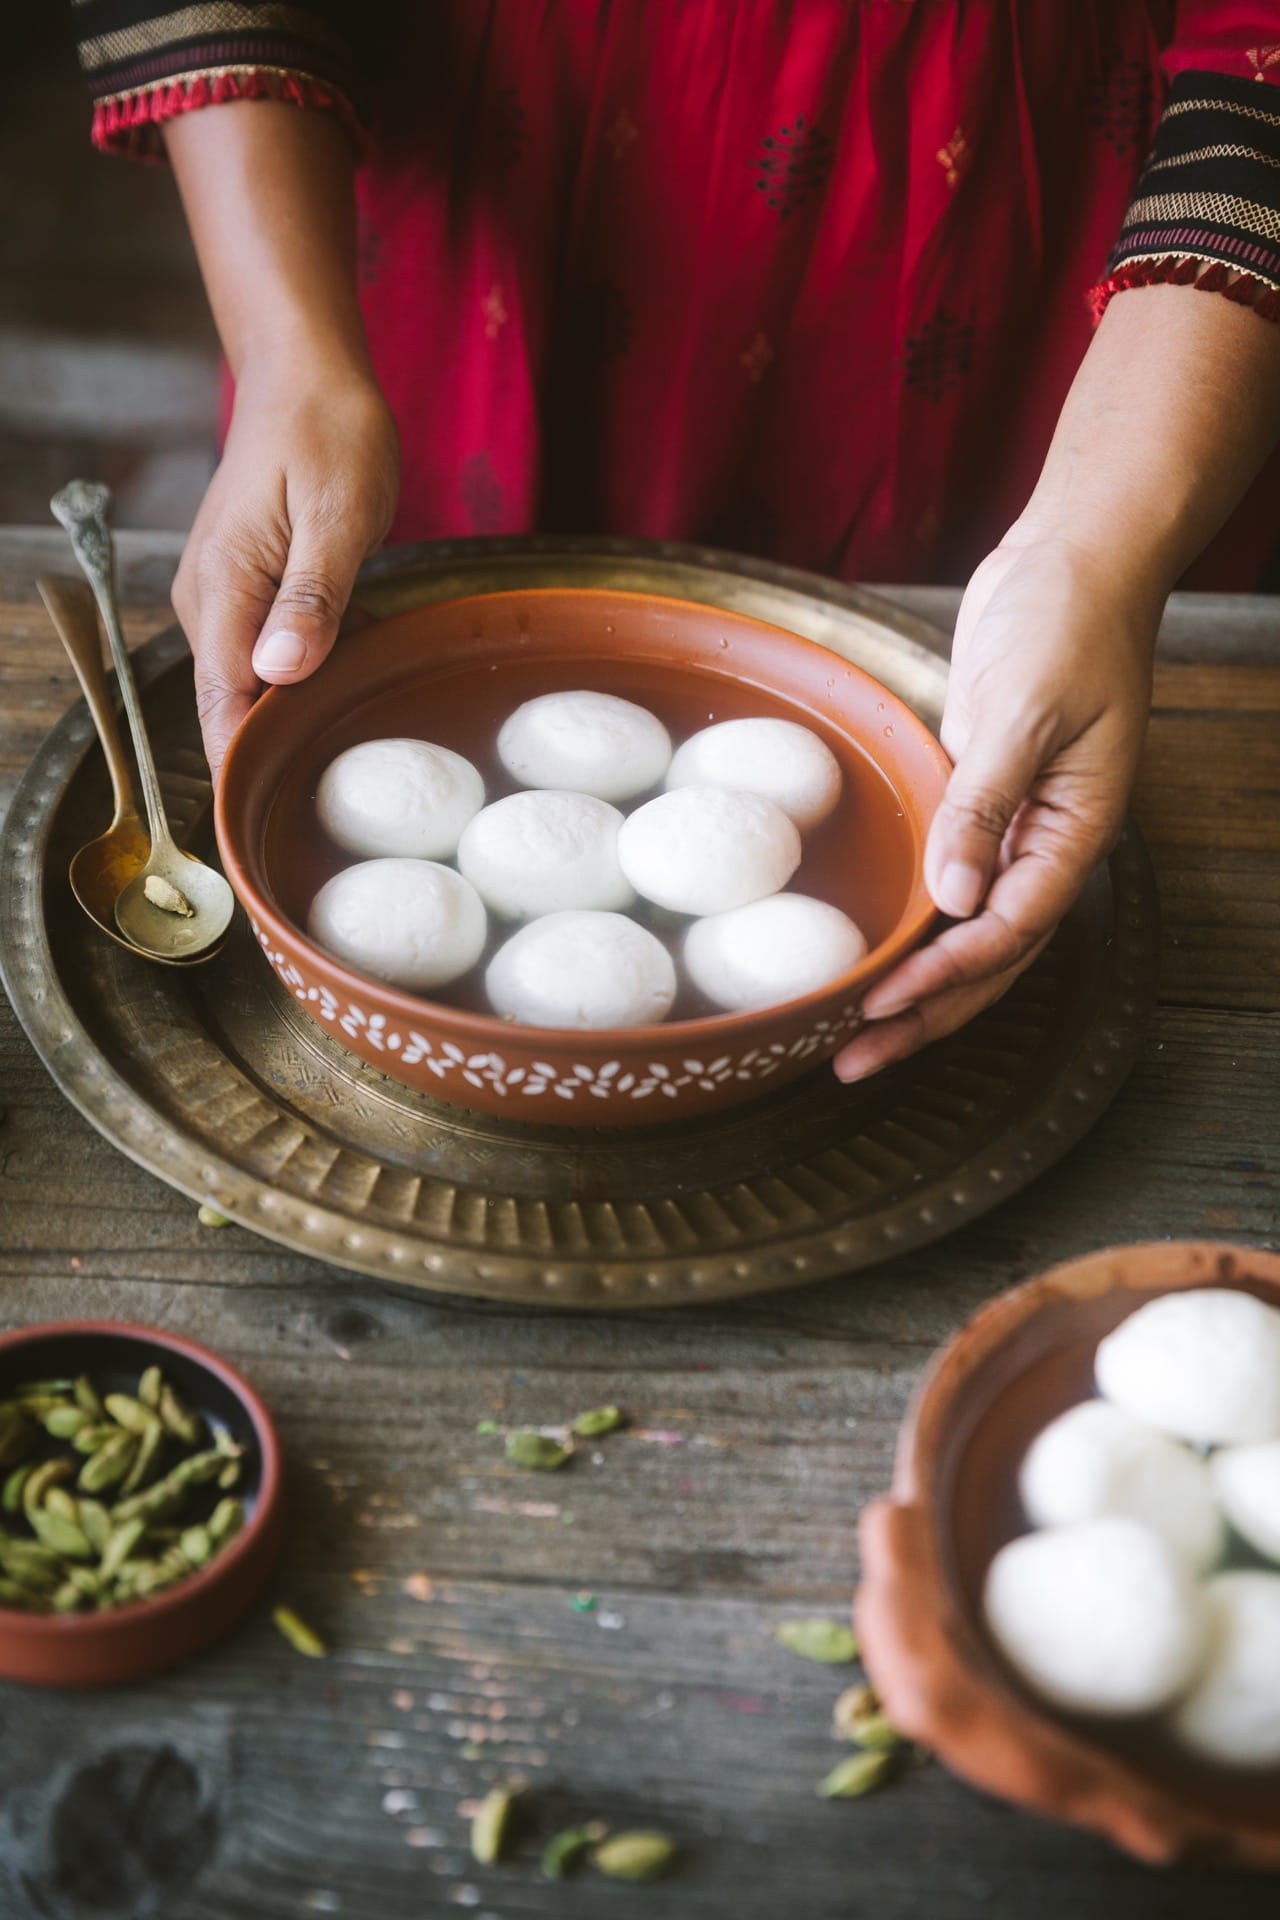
{"x":103,"y":868}
{"x":170,"y":933}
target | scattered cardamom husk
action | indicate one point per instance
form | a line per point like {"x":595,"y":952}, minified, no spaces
{"x":302,"y":1638}
{"x":858,"y":1716}
{"x":828,"y":1641}
{"x":163,"y":894}
{"x":535,"y":1450}
{"x":210,"y":1217}
{"x":489,"y":1825}
{"x":99,"y":1508}
{"x":634,"y":1856}
{"x":566,"y":1851}
{"x":860,"y":1773}
{"x":598,"y":1420}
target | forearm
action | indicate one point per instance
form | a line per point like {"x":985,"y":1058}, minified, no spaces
{"x":1174,"y":410}
{"x":269,"y":195}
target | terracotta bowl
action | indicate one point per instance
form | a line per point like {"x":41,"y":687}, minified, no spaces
{"x":925,"y":1550}
{"x":452,"y":672}
{"x":97,"y":1649}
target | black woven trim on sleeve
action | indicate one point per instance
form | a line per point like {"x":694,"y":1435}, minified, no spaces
{"x":1210,"y":190}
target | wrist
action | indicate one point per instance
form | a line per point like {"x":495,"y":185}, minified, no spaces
{"x":288,"y":366}
{"x":1126,"y":557}
{"x":1099,"y":567}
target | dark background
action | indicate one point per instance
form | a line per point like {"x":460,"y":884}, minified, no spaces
{"x":108,"y":358}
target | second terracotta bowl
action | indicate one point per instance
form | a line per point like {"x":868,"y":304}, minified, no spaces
{"x":452,"y":672}
{"x":92,"y":1649}
{"x":1024,"y":1359}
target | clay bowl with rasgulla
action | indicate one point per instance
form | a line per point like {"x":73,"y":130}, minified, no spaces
{"x":954,"y":1505}
{"x":452,"y":673}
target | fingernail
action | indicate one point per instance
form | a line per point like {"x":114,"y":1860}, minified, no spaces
{"x":280,"y":652}
{"x":959,"y":889}
{"x":858,"y":1071}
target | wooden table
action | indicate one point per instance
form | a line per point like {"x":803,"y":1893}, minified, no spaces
{"x":252,"y":1783}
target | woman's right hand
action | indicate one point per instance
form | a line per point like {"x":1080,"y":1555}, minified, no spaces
{"x":306,"y":489}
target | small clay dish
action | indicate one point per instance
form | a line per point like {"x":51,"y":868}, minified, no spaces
{"x":96,"y":1649}
{"x":452,"y":672}
{"x":1024,"y":1359}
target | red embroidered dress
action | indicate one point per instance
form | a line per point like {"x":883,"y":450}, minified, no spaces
{"x":806,"y":279}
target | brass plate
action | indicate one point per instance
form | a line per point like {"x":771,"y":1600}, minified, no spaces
{"x":212,"y":1080}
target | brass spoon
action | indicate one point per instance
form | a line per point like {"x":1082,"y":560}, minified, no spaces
{"x":159,"y":933}
{"x":104,"y":866}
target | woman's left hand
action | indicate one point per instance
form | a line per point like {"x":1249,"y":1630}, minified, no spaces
{"x":1045,"y":714}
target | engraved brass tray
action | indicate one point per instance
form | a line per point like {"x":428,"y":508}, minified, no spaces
{"x":212,"y":1079}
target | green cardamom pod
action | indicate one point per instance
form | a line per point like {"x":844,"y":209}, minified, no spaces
{"x":561,"y":1855}
{"x":226,"y":1520}
{"x":45,"y":1389}
{"x":825,"y":1640}
{"x":589,"y":1426}
{"x":11,"y":1498}
{"x":31,"y":1565}
{"x":175,"y":1563}
{"x":91,"y":1437}
{"x":860,"y":1773}
{"x":877,"y":1732}
{"x":179,"y":1419}
{"x":17,"y":1438}
{"x":64,"y":1423}
{"x":61,"y":1535}
{"x":84,"y":1579}
{"x":150,"y":1383}
{"x":13,"y":1595}
{"x":120,"y":1546}
{"x":88,"y":1399}
{"x":38,"y":1483}
{"x":145,"y":1460}
{"x":58,"y":1500}
{"x":95,"y":1523}
{"x":634,"y":1856}
{"x":210,"y":1217}
{"x":302,"y":1638}
{"x":66,"y":1598}
{"x":36,"y":1404}
{"x":129,"y":1413}
{"x":489,"y":1825}
{"x":197,"y":1545}
{"x":230,"y":1476}
{"x":536,"y":1451}
{"x":109,"y":1464}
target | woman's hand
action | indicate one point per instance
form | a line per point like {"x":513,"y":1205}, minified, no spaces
{"x":310,"y":471}
{"x":1046,"y":709}
{"x":305,"y":491}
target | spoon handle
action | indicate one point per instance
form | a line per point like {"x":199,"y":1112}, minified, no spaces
{"x":70,"y":606}
{"x":82,"y":508}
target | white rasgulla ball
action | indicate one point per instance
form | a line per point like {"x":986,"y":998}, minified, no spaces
{"x":589,"y":742}
{"x":708,"y":849}
{"x":1100,"y":1618}
{"x":1247,"y":1483}
{"x":410,"y":922}
{"x":773,"y":950}
{"x":1232,"y":1714}
{"x":1096,"y":1460}
{"x":1202,"y":1364}
{"x":389,"y":797}
{"x":582,"y":970}
{"x":545,"y":852}
{"x":784,"y":761}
